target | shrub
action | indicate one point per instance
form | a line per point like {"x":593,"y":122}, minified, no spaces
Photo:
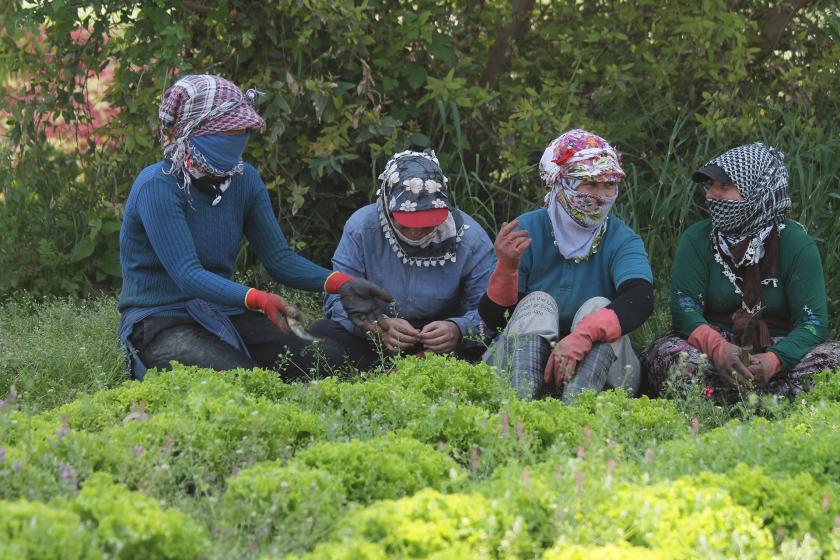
{"x":382,"y":468}
{"x":131,"y":525}
{"x":294,"y":506}
{"x":679,"y":518}
{"x":430,"y":522}
{"x":36,"y":530}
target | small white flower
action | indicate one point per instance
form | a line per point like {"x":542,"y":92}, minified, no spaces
{"x":415,"y":185}
{"x":393,"y":178}
{"x":408,"y":206}
{"x":433,"y":186}
{"x":438,"y":203}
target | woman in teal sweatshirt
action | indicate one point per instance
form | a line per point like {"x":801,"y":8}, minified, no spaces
{"x":748,"y":302}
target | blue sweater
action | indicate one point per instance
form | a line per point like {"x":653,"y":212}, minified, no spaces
{"x":173,"y":249}
{"x":451,"y":291}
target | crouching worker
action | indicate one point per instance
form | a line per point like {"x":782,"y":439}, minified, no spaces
{"x":571,"y":273}
{"x":433,"y":258}
{"x":748,"y":301}
{"x":183,"y":227}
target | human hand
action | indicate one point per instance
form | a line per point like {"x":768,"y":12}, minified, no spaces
{"x":273,"y":307}
{"x":764,"y":366}
{"x":440,"y":336}
{"x":510,"y":245}
{"x":564,"y":358}
{"x":398,"y":334}
{"x":727,"y":360}
{"x":363,"y":301}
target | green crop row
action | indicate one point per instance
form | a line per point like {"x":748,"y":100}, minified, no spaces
{"x":436,"y":458}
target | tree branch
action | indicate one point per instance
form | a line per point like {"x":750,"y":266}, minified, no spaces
{"x":512,"y":32}
{"x":773,"y":24}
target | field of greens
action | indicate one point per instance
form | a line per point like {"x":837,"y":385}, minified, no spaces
{"x":433,"y":458}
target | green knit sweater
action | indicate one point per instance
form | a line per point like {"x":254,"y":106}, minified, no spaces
{"x":698,"y":285}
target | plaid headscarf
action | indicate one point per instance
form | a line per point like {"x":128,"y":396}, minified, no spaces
{"x":198,"y":105}
{"x":579,"y":220}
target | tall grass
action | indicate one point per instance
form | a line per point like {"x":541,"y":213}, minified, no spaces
{"x":53,"y":350}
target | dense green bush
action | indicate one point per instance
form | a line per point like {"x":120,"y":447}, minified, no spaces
{"x":294,"y":506}
{"x":382,"y":468}
{"x":348,"y":83}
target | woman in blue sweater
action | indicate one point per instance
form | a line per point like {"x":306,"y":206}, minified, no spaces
{"x":182,"y":229}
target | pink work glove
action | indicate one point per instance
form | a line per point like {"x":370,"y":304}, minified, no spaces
{"x":725,"y":356}
{"x":503,"y":288}
{"x":600,"y":326}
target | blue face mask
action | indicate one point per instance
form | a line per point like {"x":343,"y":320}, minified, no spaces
{"x":221,"y":151}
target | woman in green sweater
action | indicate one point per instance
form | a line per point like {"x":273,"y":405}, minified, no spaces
{"x":748,"y":302}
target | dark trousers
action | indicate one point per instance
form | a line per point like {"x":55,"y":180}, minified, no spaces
{"x":369,"y":352}
{"x":160,"y":340}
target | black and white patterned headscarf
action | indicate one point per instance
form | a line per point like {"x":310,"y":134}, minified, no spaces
{"x":414,"y":182}
{"x":759,"y":173}
{"x":745,"y":235}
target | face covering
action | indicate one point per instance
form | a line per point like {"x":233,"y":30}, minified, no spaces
{"x":218,"y":154}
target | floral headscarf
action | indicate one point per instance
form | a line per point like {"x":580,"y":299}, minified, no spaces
{"x":579,"y":220}
{"x":199,"y":105}
{"x":413,"y":182}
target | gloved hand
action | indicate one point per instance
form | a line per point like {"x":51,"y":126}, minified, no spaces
{"x":273,"y":307}
{"x":600,"y":326}
{"x":509,"y":246}
{"x":726,"y":357}
{"x":363,"y":302}
{"x":764,"y":366}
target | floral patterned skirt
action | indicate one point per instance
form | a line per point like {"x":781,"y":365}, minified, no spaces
{"x":672,"y":364}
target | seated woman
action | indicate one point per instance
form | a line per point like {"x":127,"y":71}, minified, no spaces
{"x":572,"y":272}
{"x":433,"y":258}
{"x":747,"y":282}
{"x":183,"y":226}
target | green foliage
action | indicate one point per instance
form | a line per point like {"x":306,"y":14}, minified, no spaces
{"x":54,"y":350}
{"x":36,"y":530}
{"x":130,"y":525}
{"x":350,"y":83}
{"x":294,"y":506}
{"x":429,"y":523}
{"x":678,"y":518}
{"x":382,"y":468}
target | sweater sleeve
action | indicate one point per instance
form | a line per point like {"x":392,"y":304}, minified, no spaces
{"x":689,"y":279}
{"x":281,"y":262}
{"x":807,"y":307}
{"x":161,"y":211}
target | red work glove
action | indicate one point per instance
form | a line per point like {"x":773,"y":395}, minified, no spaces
{"x":725,"y":356}
{"x":504,"y":282}
{"x":599,"y":326}
{"x":273,"y":307}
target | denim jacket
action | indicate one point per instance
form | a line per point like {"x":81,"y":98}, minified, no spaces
{"x":450,"y":292}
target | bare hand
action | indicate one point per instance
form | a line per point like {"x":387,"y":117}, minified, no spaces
{"x":510,"y":245}
{"x":731,"y":369}
{"x":400,"y":335}
{"x":764,"y":366}
{"x":440,"y":336}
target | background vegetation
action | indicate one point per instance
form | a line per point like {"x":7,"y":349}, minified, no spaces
{"x":487,"y":84}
